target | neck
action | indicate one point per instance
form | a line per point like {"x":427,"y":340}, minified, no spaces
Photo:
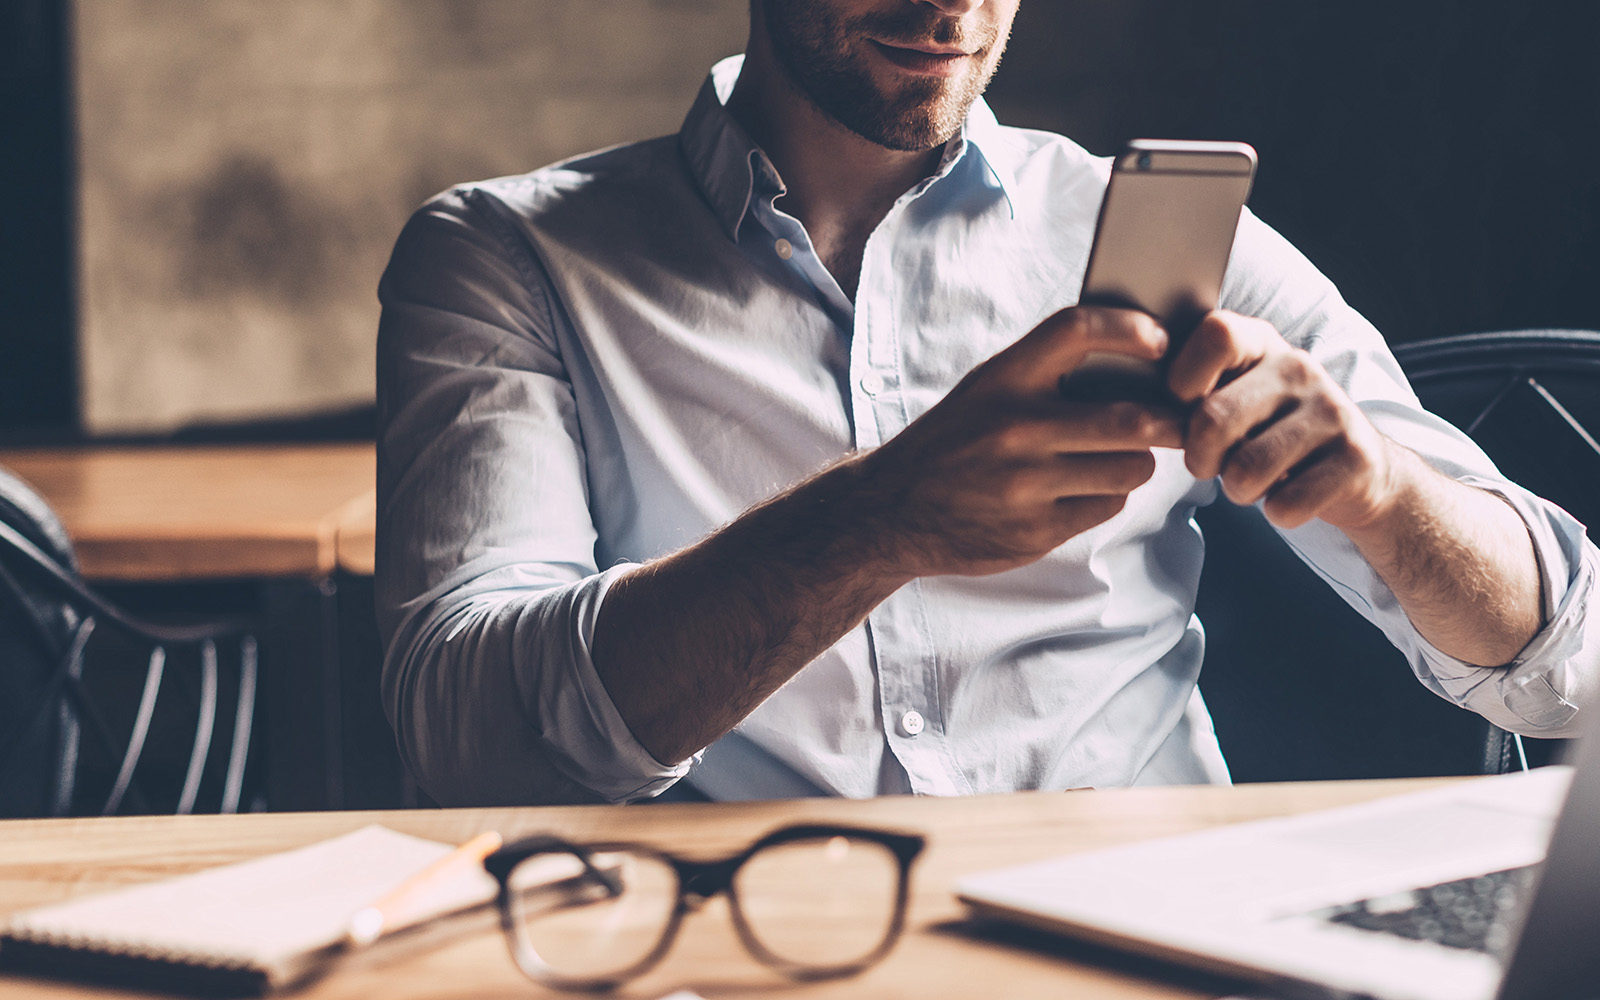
{"x":839,"y":185}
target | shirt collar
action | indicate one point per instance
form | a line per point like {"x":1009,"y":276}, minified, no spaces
{"x":724,"y":160}
{"x":999,"y":151}
{"x":730,"y":168}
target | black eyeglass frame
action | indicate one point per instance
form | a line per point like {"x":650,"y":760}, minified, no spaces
{"x":699,"y":881}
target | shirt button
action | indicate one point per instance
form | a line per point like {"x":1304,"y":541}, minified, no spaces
{"x":785,"y":249}
{"x":872,"y":383}
{"x":911,"y":723}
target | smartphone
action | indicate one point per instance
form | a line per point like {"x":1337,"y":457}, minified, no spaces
{"x":1161,"y":245}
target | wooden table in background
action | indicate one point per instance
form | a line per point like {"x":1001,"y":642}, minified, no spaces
{"x":941,"y":955}
{"x":295,"y":521}
{"x":179,"y":513}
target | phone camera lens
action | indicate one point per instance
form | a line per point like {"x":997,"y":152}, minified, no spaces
{"x":1144,"y":161}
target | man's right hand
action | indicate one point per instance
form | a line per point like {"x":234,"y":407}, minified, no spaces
{"x":1004,"y":469}
{"x":998,"y":473}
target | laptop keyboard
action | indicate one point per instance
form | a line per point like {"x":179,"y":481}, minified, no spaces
{"x":1468,"y":913}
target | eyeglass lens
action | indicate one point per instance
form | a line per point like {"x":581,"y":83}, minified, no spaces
{"x":591,"y":923}
{"x":821,"y":903}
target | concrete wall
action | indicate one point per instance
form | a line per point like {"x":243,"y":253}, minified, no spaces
{"x":246,"y":164}
{"x":245,"y":167}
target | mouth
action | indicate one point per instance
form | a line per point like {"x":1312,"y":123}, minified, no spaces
{"x":926,"y":58}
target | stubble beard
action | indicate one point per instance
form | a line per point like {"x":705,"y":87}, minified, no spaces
{"x":813,"y":47}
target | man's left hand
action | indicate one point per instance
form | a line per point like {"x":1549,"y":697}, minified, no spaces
{"x":1272,"y":423}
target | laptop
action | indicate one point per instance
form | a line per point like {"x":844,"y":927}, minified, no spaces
{"x":1484,"y":890}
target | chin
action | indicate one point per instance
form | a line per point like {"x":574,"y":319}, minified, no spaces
{"x":908,"y":126}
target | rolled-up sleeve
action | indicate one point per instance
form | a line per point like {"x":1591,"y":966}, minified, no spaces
{"x":1540,"y":691}
{"x":487,"y":585}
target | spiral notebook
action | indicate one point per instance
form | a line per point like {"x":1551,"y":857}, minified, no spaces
{"x":241,"y":930}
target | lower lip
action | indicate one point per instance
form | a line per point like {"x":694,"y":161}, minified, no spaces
{"x":926,"y":63}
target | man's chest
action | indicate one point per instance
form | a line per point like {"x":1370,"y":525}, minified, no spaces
{"x":715,"y":372}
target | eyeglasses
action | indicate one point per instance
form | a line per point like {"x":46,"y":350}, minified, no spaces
{"x":812,"y":902}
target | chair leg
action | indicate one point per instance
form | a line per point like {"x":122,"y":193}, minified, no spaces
{"x":94,"y":724}
{"x":62,"y":679}
{"x":69,"y":731}
{"x":141,"y":729}
{"x":205,"y":724}
{"x":1497,"y":748}
{"x":243,"y":719}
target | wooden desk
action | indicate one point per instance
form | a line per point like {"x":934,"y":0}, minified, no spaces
{"x":47,"y":860}
{"x":356,"y":534}
{"x":285,"y":518}
{"x":172,"y":513}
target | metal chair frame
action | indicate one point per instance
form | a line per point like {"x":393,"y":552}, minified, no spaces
{"x":1486,"y":353}
{"x":1519,"y":356}
{"x":66,"y":691}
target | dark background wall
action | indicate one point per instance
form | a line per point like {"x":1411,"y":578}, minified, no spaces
{"x":38,"y":374}
{"x":1436,"y":157}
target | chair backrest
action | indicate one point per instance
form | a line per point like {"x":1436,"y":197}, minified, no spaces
{"x":36,"y":632}
{"x":49,"y":709}
{"x":1299,"y":685}
{"x":1531,"y":399}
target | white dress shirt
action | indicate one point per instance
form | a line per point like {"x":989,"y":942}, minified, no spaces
{"x":600,"y":362}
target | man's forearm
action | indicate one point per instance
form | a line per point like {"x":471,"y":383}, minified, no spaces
{"x":998,"y":473}
{"x":690,"y":644}
{"x":1276,"y":427}
{"x":1460,"y":562}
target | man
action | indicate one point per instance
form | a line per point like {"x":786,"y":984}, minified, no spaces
{"x":739,"y":458}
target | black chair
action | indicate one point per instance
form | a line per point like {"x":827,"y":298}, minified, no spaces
{"x":1299,"y":685}
{"x":55,"y":720}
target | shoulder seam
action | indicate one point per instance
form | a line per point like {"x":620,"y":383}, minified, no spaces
{"x":532,"y":272}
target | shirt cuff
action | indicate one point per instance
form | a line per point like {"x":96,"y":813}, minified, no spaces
{"x":1535,"y":692}
{"x":581,"y":724}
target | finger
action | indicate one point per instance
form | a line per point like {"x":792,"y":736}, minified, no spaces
{"x":1075,"y":515}
{"x":1025,"y":492}
{"x":1120,"y":426}
{"x":1223,"y":343}
{"x":1260,"y":463}
{"x":1056,"y":346}
{"x":1109,"y":474}
{"x":1056,"y":426}
{"x":1243,"y":409}
{"x":1329,"y":478}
